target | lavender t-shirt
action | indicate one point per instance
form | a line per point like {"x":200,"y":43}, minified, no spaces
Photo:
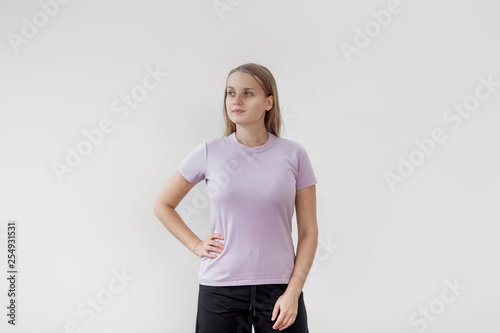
{"x":252,"y":200}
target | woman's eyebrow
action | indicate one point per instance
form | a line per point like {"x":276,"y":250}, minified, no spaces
{"x":229,"y":87}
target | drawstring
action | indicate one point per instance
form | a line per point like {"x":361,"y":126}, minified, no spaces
{"x":252,"y":299}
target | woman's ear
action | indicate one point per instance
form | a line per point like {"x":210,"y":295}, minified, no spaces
{"x":270,"y":101}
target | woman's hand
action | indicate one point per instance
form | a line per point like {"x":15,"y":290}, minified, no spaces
{"x":209,"y":244}
{"x":287,"y":305}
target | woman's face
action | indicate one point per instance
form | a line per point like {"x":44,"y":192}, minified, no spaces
{"x":244,"y":93}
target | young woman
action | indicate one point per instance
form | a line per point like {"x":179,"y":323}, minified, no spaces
{"x":249,"y":273}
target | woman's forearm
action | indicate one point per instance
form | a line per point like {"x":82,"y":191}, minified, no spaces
{"x":306,"y":250}
{"x":169,"y":217}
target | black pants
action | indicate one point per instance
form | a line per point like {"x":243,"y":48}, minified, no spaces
{"x":234,"y":309}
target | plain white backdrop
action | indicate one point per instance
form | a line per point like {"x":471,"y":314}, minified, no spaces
{"x":389,"y":99}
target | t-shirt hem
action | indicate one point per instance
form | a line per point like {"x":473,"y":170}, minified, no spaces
{"x":186,"y":175}
{"x":243,"y":282}
{"x":308,"y":183}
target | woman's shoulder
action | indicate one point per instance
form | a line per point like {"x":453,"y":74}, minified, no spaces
{"x":217,"y":143}
{"x":290,"y":145}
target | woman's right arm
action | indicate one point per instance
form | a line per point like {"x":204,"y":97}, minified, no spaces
{"x":164,"y":208}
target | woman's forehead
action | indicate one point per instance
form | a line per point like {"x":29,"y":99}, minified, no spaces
{"x":244,"y":82}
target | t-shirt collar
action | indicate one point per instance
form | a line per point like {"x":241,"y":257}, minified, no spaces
{"x":257,"y":149}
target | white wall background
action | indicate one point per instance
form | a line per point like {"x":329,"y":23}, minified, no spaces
{"x":384,"y":254}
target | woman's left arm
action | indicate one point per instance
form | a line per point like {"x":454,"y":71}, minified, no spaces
{"x":287,"y":304}
{"x":307,"y":229}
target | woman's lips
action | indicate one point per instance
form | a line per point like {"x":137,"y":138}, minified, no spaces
{"x":238,"y":111}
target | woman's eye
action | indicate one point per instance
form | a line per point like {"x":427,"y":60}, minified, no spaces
{"x":230,"y":93}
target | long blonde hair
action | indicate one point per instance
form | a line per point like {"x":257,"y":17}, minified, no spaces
{"x":272,"y":119}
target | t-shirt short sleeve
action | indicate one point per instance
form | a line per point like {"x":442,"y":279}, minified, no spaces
{"x":305,"y":174}
{"x":194,"y":165}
